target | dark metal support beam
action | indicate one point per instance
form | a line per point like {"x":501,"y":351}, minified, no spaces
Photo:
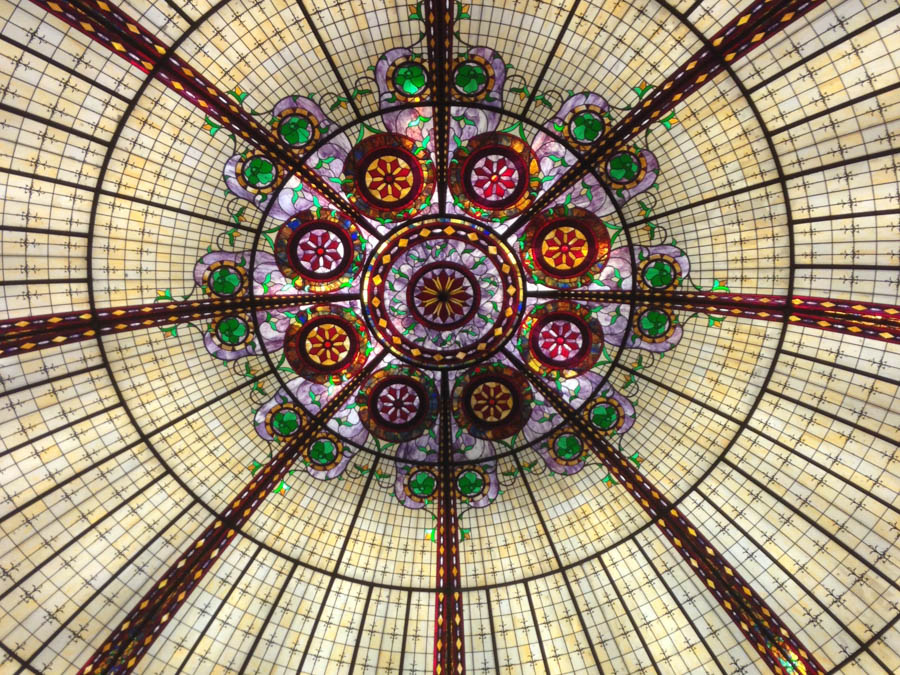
{"x":405,"y":631}
{"x":840,"y":106}
{"x":337,"y":564}
{"x":448,"y":611}
{"x":773,"y":560}
{"x":66,"y":69}
{"x":113,"y":28}
{"x":841,"y":366}
{"x":329,"y":58}
{"x":867,"y":647}
{"x":274,"y":606}
{"x":550,"y":56}
{"x":362,"y":629}
{"x":762,"y":487}
{"x":33,"y":333}
{"x":212,"y":617}
{"x":99,"y":521}
{"x":849,"y":317}
{"x":84,"y":605}
{"x":832,"y":416}
{"x":821,"y":168}
{"x":749,"y":29}
{"x":537,"y":630}
{"x":439,"y":15}
{"x":68,"y":425}
{"x":24,"y":114}
{"x":750,"y":613}
{"x":684,"y":612}
{"x":51,"y":380}
{"x":822,"y":50}
{"x":792,"y":449}
{"x":490,"y":611}
{"x":132,"y":638}
{"x":634,"y":626}
{"x":37,"y":177}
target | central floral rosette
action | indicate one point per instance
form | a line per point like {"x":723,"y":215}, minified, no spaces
{"x":403,"y":255}
{"x":444,"y":293}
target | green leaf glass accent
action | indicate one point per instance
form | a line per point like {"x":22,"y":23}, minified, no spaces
{"x":470,"y":78}
{"x":422,"y":484}
{"x":259,"y":172}
{"x":568,"y":447}
{"x":232,"y":330}
{"x":285,"y":422}
{"x":654,"y":323}
{"x":410,"y":78}
{"x":470,"y":483}
{"x":295,"y":130}
{"x":225,"y":281}
{"x":586,"y":127}
{"x":660,"y":274}
{"x":623,"y":167}
{"x":604,"y":416}
{"x":322,"y":452}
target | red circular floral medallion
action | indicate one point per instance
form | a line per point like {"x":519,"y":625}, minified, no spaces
{"x":388,"y":177}
{"x":397,"y":403}
{"x":443,"y":295}
{"x":320,"y":250}
{"x":491,"y":401}
{"x":565,"y":247}
{"x":560,"y":339}
{"x":494,"y":176}
{"x":326,"y":344}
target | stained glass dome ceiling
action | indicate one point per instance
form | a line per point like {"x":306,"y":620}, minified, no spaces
{"x":492,"y":337}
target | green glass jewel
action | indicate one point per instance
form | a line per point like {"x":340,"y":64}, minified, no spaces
{"x":586,"y":127}
{"x":605,"y":416}
{"x":322,"y":452}
{"x":259,"y":172}
{"x":422,"y":484}
{"x":232,"y":330}
{"x":470,"y":78}
{"x":654,"y":323}
{"x":409,"y":78}
{"x":568,"y":447}
{"x":225,"y":281}
{"x":295,"y":130}
{"x":470,"y":483}
{"x":285,"y":422}
{"x":624,"y":167}
{"x":659,"y":274}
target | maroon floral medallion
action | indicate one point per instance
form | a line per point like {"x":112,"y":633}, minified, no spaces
{"x":560,"y":339}
{"x":494,"y":176}
{"x":319,"y":250}
{"x":326,"y":344}
{"x":443,"y":295}
{"x":397,"y":403}
{"x":492,"y":401}
{"x":565,"y":247}
{"x":387,"y":176}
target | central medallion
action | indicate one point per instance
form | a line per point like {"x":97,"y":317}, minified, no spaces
{"x":443,"y":294}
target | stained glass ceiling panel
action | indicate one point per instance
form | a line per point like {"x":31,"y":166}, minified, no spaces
{"x":453,"y":366}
